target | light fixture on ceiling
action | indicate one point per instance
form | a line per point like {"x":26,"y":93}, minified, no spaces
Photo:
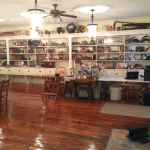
{"x":36,"y":17}
{"x":92,"y":28}
{"x":55,"y":18}
{"x":97,"y":9}
{"x":2,"y":20}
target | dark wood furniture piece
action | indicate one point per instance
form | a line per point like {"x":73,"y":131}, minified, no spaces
{"x":68,"y":88}
{"x":46,"y":86}
{"x":52,"y":76}
{"x":4,"y":92}
{"x":77,"y":84}
{"x":51,"y":89}
{"x":62,"y":71}
{"x":126,"y":87}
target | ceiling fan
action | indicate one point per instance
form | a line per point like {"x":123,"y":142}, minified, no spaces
{"x":56,"y":14}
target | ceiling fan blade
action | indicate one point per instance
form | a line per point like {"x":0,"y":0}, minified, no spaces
{"x":47,"y":16}
{"x":65,"y":15}
{"x":61,"y":12}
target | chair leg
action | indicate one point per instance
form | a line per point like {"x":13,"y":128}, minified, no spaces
{"x":134,"y":92}
{"x":6,"y":101}
{"x":0,"y":103}
{"x":126,"y":92}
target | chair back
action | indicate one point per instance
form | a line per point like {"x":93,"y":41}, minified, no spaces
{"x":53,"y":87}
{"x":62,"y":71}
{"x":4,"y":87}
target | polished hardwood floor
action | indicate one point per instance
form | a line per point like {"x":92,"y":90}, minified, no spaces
{"x":30,"y":123}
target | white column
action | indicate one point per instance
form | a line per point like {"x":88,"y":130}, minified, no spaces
{"x":70,"y":52}
{"x":7,"y":47}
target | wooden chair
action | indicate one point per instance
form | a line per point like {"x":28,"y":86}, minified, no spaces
{"x":127,"y":85}
{"x":62,"y":71}
{"x":4,"y":92}
{"x":68,"y":88}
{"x":51,"y":89}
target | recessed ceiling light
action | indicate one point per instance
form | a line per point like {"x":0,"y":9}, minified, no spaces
{"x":2,"y":20}
{"x":97,"y":9}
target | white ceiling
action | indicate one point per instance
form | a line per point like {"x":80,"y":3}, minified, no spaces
{"x":10,"y":9}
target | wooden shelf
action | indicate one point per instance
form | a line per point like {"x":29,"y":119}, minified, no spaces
{"x":133,"y":44}
{"x":18,"y":60}
{"x":36,"y":53}
{"x":18,"y":46}
{"x":111,"y":45}
{"x":18,"y":53}
{"x":84,"y":53}
{"x":111,"y":60}
{"x":3,"y":59}
{"x":54,"y":60}
{"x":137,"y":52}
{"x":84,"y":45}
{"x":110,"y":53}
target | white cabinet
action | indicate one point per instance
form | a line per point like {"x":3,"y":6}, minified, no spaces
{"x":38,"y":71}
{"x":2,"y":70}
{"x":35,"y":71}
{"x":50,"y":71}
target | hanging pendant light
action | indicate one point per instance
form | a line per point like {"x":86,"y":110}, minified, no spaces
{"x":36,"y":17}
{"x":92,"y":27}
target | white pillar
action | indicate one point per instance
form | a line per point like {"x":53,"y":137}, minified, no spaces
{"x":7,"y":47}
{"x":70,"y":52}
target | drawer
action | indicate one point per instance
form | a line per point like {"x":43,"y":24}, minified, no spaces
{"x":50,"y":71}
{"x":115,"y":73}
{"x":10,"y":70}
{"x":2,"y":70}
{"x":15,"y":70}
{"x":35,"y":71}
{"x":39,"y":71}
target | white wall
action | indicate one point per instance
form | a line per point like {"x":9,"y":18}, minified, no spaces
{"x":101,"y":23}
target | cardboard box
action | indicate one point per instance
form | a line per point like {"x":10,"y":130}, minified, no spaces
{"x":17,"y":33}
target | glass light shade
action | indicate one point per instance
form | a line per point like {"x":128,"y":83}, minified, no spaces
{"x":92,"y":30}
{"x":55,"y":18}
{"x":34,"y":34}
{"x":36,"y":21}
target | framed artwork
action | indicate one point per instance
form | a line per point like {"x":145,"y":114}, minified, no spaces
{"x":40,"y":49}
{"x":100,"y":40}
{"x":40,"y":58}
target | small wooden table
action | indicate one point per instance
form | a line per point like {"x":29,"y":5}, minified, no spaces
{"x":91,"y":85}
{"x":50,"y":76}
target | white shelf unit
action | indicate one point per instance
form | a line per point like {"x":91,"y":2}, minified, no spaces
{"x":3,"y":51}
{"x":81,"y":48}
{"x":68,"y":39}
{"x":33,"y":53}
{"x":131,"y":53}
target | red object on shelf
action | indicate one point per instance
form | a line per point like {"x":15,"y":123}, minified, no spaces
{"x":111,"y":28}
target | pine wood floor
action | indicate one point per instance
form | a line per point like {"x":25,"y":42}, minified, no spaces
{"x":32,"y":124}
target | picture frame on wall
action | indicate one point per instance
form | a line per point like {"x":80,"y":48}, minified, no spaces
{"x":100,"y":40}
{"x":40,"y":58}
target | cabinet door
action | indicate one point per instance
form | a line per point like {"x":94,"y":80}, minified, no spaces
{"x":50,"y":71}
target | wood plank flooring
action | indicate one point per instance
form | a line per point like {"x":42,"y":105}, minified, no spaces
{"x":33,"y":124}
